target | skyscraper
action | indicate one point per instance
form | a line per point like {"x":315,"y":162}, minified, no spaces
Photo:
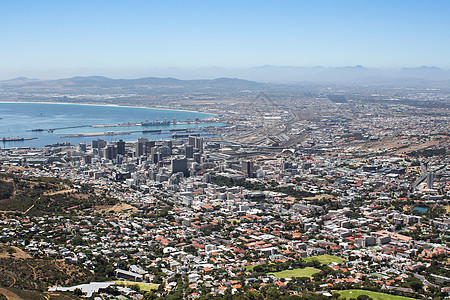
{"x":141,"y":146}
{"x":189,"y":151}
{"x":179,"y":164}
{"x":110,"y":152}
{"x":169,"y":145}
{"x":247,"y":168}
{"x":196,"y":142}
{"x":430,"y":180}
{"x":149,"y":145}
{"x":121,"y":147}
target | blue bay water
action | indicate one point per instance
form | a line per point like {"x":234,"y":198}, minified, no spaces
{"x":18,"y":119}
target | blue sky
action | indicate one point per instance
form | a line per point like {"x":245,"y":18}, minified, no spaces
{"x":41,"y":37}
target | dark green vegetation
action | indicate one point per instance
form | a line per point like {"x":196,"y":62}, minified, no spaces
{"x":38,"y":196}
{"x":29,"y":277}
{"x":6,"y":189}
{"x":429,"y":152}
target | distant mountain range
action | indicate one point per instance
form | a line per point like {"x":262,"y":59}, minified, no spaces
{"x":147,"y":83}
{"x":248,"y":78}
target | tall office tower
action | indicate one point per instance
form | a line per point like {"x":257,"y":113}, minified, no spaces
{"x":121,"y":147}
{"x":191,"y":141}
{"x":189,"y":150}
{"x":155,"y":157}
{"x":149,"y":145}
{"x":140,"y":146}
{"x":199,"y":144}
{"x":110,"y":152}
{"x":247,"y":168}
{"x":430,"y":180}
{"x":168,"y":144}
{"x":196,"y":142}
{"x":179,"y":165}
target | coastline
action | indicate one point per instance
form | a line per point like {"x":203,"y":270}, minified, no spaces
{"x":30,"y":119}
{"x":108,"y":105}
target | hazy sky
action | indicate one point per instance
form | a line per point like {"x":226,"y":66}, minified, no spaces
{"x":41,"y":38}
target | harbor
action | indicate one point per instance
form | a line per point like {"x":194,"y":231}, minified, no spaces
{"x":47,"y":124}
{"x":143,"y":124}
{"x":178,"y":133}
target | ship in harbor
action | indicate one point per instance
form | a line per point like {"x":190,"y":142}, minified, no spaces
{"x":180,"y":129}
{"x":184,"y":135}
{"x":151,"y":131}
{"x":156,"y":122}
{"x":16,"y":139}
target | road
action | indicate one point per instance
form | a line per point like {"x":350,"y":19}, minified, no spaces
{"x":424,"y":280}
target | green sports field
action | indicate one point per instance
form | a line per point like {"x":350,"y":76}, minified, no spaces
{"x":143,"y":286}
{"x":325,"y":259}
{"x":374,"y":295}
{"x":304,"y":272}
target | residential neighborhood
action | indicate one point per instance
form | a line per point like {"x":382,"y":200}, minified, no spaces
{"x":193,"y":218}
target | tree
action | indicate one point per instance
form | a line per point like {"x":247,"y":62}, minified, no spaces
{"x":273,"y":293}
{"x":109,"y":271}
{"x":77,"y":240}
{"x":415,"y":284}
{"x":150,"y":296}
{"x":78,"y":292}
{"x":252,"y":295}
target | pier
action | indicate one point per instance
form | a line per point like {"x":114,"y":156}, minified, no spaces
{"x":60,"y":128}
{"x":107,"y":133}
{"x":181,"y":132}
{"x":16,"y":139}
{"x":143,"y":124}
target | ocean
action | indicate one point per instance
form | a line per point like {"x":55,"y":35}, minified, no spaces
{"x":19,"y":119}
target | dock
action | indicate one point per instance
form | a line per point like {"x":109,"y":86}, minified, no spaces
{"x":16,"y":139}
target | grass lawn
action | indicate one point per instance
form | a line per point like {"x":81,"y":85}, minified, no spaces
{"x":325,"y":259}
{"x":143,"y":286}
{"x":305,"y":272}
{"x":374,"y":295}
{"x":250,"y":268}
